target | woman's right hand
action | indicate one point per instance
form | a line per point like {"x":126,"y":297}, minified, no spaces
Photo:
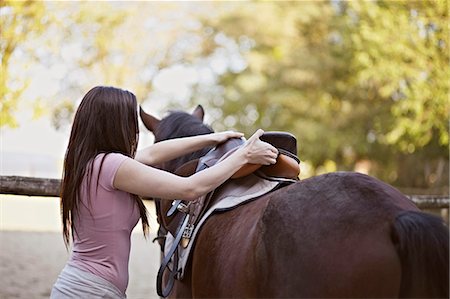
{"x":259,"y":152}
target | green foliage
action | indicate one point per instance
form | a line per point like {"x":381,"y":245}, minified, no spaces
{"x":122,"y":44}
{"x":33,"y":35}
{"x":362,"y":84}
{"x":354,"y":81}
{"x":400,"y":49}
{"x":19,"y":20}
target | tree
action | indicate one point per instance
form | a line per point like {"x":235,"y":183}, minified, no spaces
{"x":360,"y":81}
{"x":400,"y":51}
{"x":37,"y":34}
{"x":87,"y":44}
{"x":19,"y":21}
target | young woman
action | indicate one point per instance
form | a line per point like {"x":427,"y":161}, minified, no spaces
{"x":104,"y":177}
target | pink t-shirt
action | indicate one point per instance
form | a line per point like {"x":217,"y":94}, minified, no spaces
{"x":102,"y":239}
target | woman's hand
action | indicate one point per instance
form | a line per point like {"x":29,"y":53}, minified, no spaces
{"x":221,"y":137}
{"x":260,"y":152}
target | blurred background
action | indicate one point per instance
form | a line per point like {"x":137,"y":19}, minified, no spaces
{"x":363,"y":85}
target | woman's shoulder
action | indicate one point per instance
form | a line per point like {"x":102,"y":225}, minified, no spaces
{"x":110,"y":157}
{"x":107,"y":164}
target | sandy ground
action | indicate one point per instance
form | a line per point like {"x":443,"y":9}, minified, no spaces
{"x":31,"y":261}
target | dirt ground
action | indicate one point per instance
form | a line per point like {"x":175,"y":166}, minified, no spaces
{"x":31,"y":261}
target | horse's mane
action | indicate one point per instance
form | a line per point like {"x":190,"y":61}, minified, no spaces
{"x":181,"y":124}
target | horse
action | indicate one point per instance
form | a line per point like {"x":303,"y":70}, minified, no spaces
{"x":336,"y":235}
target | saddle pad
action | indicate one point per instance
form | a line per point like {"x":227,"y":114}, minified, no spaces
{"x":230,"y":195}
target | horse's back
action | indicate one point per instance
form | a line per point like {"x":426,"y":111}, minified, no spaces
{"x":330,"y":237}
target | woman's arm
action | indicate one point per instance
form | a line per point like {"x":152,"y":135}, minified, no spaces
{"x":136,"y":178}
{"x":173,"y":148}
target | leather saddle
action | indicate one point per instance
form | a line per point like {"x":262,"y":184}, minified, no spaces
{"x":184,"y":216}
{"x":287,"y":167}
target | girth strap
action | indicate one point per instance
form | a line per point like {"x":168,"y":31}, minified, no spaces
{"x":173,"y":252}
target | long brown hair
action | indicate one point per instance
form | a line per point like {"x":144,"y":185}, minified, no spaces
{"x":106,"y":122}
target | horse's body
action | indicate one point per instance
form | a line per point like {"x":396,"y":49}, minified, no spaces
{"x":338,"y":235}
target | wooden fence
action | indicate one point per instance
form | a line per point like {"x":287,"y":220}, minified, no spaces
{"x":18,"y":185}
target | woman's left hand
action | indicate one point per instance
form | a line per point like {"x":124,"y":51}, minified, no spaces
{"x":224,"y":136}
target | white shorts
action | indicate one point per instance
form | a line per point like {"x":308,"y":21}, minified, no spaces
{"x":75,"y":283}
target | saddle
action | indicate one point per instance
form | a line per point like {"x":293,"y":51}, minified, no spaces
{"x":185,"y":216}
{"x":286,"y":166}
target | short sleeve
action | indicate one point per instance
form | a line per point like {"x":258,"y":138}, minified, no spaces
{"x":111,"y":163}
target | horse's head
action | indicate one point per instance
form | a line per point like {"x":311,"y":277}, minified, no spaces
{"x":175,"y":125}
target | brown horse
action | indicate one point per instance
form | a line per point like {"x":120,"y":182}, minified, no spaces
{"x":338,"y":235}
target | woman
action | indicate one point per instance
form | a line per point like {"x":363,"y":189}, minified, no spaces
{"x":104,"y":177}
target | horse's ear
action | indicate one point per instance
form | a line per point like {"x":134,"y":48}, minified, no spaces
{"x":149,"y":121}
{"x":199,"y":112}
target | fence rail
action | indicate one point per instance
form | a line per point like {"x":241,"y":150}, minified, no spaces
{"x":19,"y":185}
{"x":29,"y":186}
